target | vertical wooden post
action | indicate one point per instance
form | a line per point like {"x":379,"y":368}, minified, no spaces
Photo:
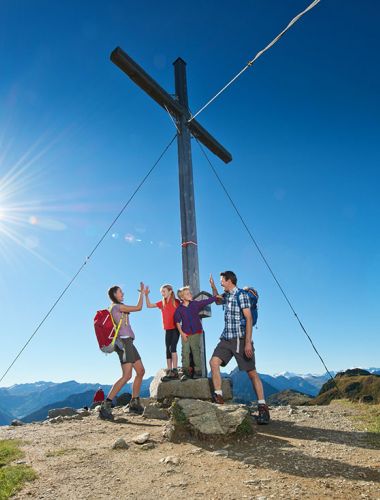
{"x":190,"y":264}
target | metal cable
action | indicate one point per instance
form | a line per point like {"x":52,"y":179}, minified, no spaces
{"x":89,"y":257}
{"x":259,"y":54}
{"x":264,"y":259}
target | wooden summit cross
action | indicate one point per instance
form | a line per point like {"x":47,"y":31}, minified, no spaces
{"x":178,"y":107}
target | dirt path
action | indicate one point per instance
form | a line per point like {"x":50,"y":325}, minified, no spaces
{"x":310,"y":453}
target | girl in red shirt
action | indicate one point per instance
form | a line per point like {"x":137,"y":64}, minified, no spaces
{"x":168,"y":306}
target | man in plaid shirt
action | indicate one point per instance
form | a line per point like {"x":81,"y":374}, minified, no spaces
{"x":236,"y":341}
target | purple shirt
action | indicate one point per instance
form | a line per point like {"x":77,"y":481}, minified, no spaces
{"x":188,"y":316}
{"x":125,"y":327}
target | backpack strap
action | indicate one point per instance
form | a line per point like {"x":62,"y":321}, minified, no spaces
{"x":117,"y":327}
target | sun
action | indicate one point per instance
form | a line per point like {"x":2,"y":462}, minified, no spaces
{"x":19,"y":214}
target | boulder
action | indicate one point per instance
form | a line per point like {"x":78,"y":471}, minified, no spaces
{"x":124,"y":399}
{"x":74,"y":417}
{"x":56,"y":420}
{"x":203,"y":419}
{"x":368,"y":398}
{"x":62,"y":412}
{"x":16,"y":422}
{"x":120,"y":444}
{"x":154,"y":411}
{"x":188,"y":389}
{"x":142,"y":438}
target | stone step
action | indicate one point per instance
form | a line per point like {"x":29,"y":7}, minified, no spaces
{"x":189,"y":389}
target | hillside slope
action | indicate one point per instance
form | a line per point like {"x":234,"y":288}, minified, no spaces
{"x":355,"y":385}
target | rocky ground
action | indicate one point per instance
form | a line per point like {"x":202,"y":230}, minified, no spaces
{"x":314,"y":452}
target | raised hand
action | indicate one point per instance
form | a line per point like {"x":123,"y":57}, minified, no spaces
{"x":212,"y":282}
{"x":142,"y":287}
{"x":147,"y":290}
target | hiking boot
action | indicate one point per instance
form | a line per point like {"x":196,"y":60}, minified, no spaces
{"x":197,"y":375}
{"x":217,"y":398}
{"x":174,"y":374}
{"x":105,"y":412}
{"x":263,"y":418}
{"x":135,"y":406}
{"x":184,"y":377}
{"x":167,"y":376}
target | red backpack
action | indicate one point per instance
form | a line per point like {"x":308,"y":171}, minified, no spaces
{"x":106,"y":330}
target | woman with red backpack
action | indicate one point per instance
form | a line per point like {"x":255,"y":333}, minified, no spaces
{"x":168,"y":306}
{"x":127,"y":352}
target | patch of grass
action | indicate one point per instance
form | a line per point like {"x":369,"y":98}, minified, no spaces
{"x":9,"y":451}
{"x":12,"y":477}
{"x":368,"y":419}
{"x":60,"y":452}
{"x":245,"y":428}
{"x":178,"y":415}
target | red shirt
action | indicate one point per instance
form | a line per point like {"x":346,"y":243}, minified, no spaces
{"x":168,"y":313}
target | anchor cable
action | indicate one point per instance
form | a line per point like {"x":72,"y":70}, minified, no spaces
{"x":259,"y":54}
{"x":142,"y":182}
{"x":254,"y":241}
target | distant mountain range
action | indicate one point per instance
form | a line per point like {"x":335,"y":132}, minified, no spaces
{"x":32,"y":401}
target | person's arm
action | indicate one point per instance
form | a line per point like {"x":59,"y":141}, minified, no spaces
{"x":248,"y":332}
{"x":177,"y":319}
{"x":149,"y":304}
{"x":205,"y":302}
{"x":183,"y":335}
{"x":220,"y":299}
{"x":213,"y":286}
{"x":138,"y":307}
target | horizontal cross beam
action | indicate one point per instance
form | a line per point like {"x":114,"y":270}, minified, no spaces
{"x":166,"y":101}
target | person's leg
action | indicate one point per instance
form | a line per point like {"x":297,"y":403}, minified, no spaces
{"x":105,"y":412}
{"x":195,"y":345}
{"x":186,"y":357}
{"x":169,"y":360}
{"x":173,"y":348}
{"x":257,"y":385}
{"x":119,"y":384}
{"x":140,"y":372}
{"x":215,"y":364}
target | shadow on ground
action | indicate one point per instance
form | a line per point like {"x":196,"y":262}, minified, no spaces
{"x":270,"y":448}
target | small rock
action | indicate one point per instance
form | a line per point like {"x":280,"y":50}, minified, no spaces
{"x":142,"y":438}
{"x":155,"y":412}
{"x":147,"y":446}
{"x":62,"y":412}
{"x":16,"y":422}
{"x":120,"y":444}
{"x":84,"y":413}
{"x":56,"y":420}
{"x":220,"y":453}
{"x":74,"y":417}
{"x":171,"y":460}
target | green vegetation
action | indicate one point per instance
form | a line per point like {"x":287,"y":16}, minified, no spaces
{"x":356,"y":388}
{"x":178,"y":415}
{"x":245,"y":428}
{"x":369,"y":421}
{"x":12,"y":477}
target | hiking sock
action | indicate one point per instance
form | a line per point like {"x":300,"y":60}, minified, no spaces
{"x":219,"y":392}
{"x":260,"y":401}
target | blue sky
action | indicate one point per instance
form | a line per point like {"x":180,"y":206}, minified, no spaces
{"x":302,"y":126}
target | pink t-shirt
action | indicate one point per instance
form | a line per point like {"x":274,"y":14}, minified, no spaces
{"x":125,"y":328}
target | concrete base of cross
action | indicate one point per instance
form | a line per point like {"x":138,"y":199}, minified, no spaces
{"x":189,"y":389}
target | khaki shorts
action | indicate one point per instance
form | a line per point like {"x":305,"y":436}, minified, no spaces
{"x":126,"y":351}
{"x":226,"y":349}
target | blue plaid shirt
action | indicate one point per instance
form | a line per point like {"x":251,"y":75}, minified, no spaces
{"x":234,"y":320}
